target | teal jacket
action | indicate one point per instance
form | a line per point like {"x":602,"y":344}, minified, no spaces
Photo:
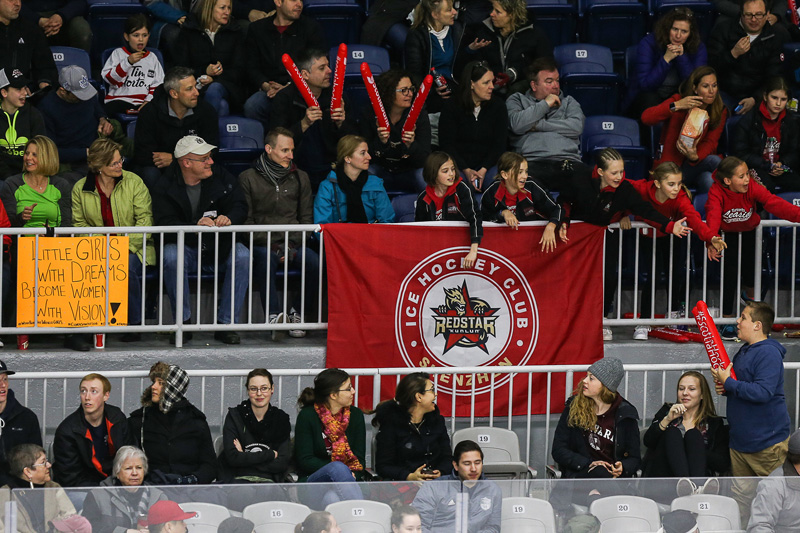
{"x":309,"y":447}
{"x":130,"y":204}
{"x":330,"y":204}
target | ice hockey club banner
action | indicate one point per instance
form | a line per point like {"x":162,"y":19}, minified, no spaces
{"x":398,"y":296}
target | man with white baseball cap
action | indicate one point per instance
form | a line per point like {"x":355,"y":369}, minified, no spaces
{"x":195,"y":191}
{"x":18,"y":424}
{"x":74,"y":117}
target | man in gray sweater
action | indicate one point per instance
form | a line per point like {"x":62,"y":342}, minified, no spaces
{"x":776,"y":507}
{"x":546,"y":126}
{"x":463,"y":501}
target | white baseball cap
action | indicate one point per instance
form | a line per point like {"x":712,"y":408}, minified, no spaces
{"x":192,"y":144}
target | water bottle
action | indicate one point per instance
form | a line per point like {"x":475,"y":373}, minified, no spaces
{"x":439,"y":79}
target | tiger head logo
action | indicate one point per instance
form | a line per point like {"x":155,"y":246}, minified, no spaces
{"x":463,"y":320}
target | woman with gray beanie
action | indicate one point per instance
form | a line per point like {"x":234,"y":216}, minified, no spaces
{"x":598,"y":436}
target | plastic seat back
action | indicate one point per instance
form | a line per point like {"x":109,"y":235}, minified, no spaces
{"x":527,"y":515}
{"x":362,"y":516}
{"x":714,"y":512}
{"x":67,"y":55}
{"x":624,"y":514}
{"x":208,"y":518}
{"x":275,"y":517}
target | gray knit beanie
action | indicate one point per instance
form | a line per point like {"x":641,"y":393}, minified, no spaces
{"x":609,"y":371}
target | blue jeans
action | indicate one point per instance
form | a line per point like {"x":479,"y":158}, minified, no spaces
{"x":134,"y":290}
{"x":215,"y":94}
{"x":271,"y":287}
{"x":339,"y":485}
{"x":257,"y":108}
{"x":241,"y":271}
{"x":699,"y":175}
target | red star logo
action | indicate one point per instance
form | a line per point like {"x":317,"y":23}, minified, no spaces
{"x":467,"y":337}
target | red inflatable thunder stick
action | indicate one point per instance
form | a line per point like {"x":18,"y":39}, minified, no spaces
{"x":793,"y":12}
{"x":374,"y":97}
{"x":338,"y":77}
{"x":419,"y":101}
{"x":298,"y":81}
{"x":711,"y":339}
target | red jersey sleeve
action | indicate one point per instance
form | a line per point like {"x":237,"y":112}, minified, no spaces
{"x":714,"y":208}
{"x":660,"y":113}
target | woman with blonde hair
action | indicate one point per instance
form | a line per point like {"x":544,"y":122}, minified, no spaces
{"x":350,"y":193}
{"x":110,"y":196}
{"x":688,"y":439}
{"x":597,"y":435}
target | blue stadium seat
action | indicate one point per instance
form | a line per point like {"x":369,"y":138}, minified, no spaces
{"x":404,"y":206}
{"x":704,"y":12}
{"x":616,"y":24}
{"x":341,"y":20}
{"x":630,"y":62}
{"x":587,"y":74}
{"x":241,"y":140}
{"x":67,"y":55}
{"x":107,"y":21}
{"x":378,"y":60}
{"x":620,"y":133}
{"x":557,"y":18}
{"x":131,"y":130}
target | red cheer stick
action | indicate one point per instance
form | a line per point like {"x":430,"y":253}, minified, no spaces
{"x":793,"y":12}
{"x":711,"y":339}
{"x":374,"y":97}
{"x":299,"y":82}
{"x":668,"y":335}
{"x":338,"y":77}
{"x":419,"y":101}
{"x":693,"y":337}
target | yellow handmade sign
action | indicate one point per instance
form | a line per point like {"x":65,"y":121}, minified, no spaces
{"x":70,"y":281}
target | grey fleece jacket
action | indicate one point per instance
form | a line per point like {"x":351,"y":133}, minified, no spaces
{"x":539,"y":132}
{"x":481,"y":506}
{"x":776,"y":507}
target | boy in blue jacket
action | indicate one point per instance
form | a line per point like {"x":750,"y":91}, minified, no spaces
{"x":757,"y":414}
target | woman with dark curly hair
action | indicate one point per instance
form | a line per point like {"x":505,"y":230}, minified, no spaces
{"x":412,"y":441}
{"x":664,"y":59}
{"x":397,"y":155}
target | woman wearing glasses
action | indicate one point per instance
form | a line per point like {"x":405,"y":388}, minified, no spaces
{"x":412,"y":441}
{"x":110,"y":196}
{"x":330,"y":439}
{"x":396,"y":155}
{"x":30,"y":469}
{"x":255,"y":437}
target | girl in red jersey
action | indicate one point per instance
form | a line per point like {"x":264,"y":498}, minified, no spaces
{"x":667,"y":194}
{"x":732,"y":207}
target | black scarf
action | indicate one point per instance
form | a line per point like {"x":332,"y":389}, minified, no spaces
{"x":272,"y":170}
{"x":352,"y":190}
{"x":268,"y":431}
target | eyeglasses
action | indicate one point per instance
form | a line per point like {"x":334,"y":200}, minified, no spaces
{"x":45,"y":463}
{"x":117,"y":163}
{"x":432,"y":389}
{"x":348,"y":389}
{"x":406,"y":90}
{"x":754,"y":16}
{"x":262,"y":390}
{"x":206,"y":159}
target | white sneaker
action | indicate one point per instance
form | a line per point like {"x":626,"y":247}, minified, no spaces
{"x":711,"y":486}
{"x":294,"y":318}
{"x":685,"y":487}
{"x":674,"y":314}
{"x":278,"y":318}
{"x":607,"y":335}
{"x":641,"y":332}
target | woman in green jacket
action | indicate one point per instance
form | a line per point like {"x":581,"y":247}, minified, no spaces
{"x":110,"y":196}
{"x":330,"y":438}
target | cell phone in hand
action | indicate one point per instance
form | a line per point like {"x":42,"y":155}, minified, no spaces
{"x":738,"y":108}
{"x":428,"y":471}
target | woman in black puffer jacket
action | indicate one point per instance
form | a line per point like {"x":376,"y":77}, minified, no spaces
{"x":412,"y":441}
{"x":213,"y":46}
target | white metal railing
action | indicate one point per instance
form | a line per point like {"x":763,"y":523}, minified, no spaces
{"x":153,"y":284}
{"x":776,"y":278}
{"x":646,"y":386}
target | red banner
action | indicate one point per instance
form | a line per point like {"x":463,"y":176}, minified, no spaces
{"x":398,"y":296}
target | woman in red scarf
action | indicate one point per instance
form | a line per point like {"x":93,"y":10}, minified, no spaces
{"x":766,"y":139}
{"x":330,"y":438}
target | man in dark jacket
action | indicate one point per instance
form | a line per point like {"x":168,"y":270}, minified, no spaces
{"x":19,"y":424}
{"x":87,"y":440}
{"x":22,"y":122}
{"x":172,"y":432}
{"x":195,"y":191}
{"x":316,"y":130}
{"x":745,"y":53}
{"x":288,"y":31}
{"x":277,"y":192}
{"x":175,"y":112}
{"x":23,"y":46}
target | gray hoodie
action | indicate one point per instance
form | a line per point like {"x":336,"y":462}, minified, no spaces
{"x":539,"y":132}
{"x":437,"y":502}
{"x":776,"y":507}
